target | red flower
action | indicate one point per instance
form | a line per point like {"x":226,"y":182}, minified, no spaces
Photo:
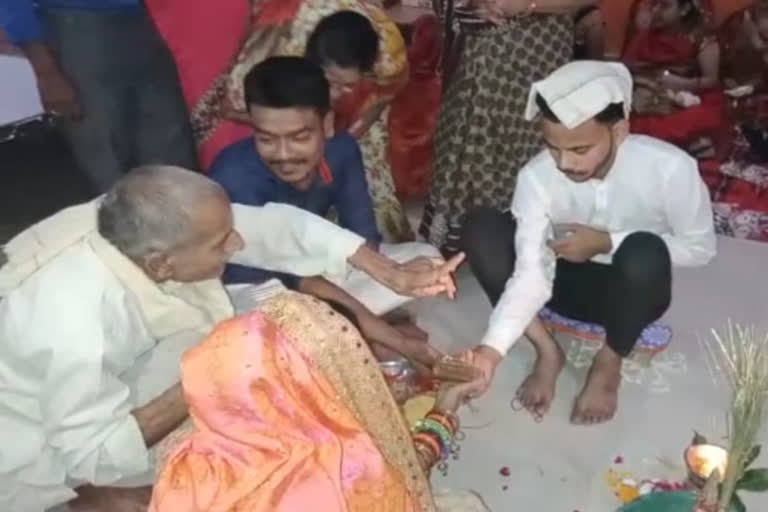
{"x":618,"y":460}
{"x":505,"y":471}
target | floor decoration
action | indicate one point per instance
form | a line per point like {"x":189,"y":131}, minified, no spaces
{"x":717,"y":474}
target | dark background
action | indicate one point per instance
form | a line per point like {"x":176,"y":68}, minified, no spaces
{"x":37,"y":178}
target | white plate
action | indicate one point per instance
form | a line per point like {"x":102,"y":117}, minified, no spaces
{"x":19,"y":99}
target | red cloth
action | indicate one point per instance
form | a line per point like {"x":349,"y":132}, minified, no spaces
{"x":683,"y":126}
{"x":414,"y":111}
{"x":203,"y":37}
{"x":739,"y":198}
{"x":661,"y":49}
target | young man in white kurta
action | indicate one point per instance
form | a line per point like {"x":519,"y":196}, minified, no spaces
{"x":78,"y":320}
{"x":596,"y":222}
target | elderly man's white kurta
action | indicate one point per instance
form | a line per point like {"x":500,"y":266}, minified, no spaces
{"x":70,"y":338}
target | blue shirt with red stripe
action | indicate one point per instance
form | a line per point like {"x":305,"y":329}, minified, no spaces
{"x":340,"y":184}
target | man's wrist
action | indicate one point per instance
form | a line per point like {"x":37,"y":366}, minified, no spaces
{"x":375,"y":264}
{"x":162,"y":415}
{"x":489,"y":353}
{"x":607,"y":243}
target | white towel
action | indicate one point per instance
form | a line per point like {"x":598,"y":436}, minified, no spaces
{"x":579,"y":91}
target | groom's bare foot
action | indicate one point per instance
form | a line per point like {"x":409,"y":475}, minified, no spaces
{"x":599,"y":398}
{"x":538,"y":389}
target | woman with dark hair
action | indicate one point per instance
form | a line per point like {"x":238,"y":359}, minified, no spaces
{"x":675,"y":60}
{"x":482,"y":139}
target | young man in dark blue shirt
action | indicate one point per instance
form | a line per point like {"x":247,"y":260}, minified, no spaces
{"x":295,"y":157}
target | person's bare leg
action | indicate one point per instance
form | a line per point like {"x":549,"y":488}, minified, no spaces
{"x":383,"y":353}
{"x":412,"y":331}
{"x":404,"y":322}
{"x":538,"y":389}
{"x":598,"y":400}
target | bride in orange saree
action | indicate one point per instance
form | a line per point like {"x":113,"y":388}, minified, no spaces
{"x":290,"y":411}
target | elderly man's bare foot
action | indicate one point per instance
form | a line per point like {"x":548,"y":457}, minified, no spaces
{"x":538,"y":389}
{"x":599,"y":398}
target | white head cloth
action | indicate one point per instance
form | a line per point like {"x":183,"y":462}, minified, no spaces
{"x":579,"y":91}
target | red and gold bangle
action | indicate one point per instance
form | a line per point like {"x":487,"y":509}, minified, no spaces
{"x":430,"y":441}
{"x":426,"y":454}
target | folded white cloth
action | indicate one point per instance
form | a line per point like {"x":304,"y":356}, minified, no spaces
{"x":684,"y":99}
{"x":579,"y":91}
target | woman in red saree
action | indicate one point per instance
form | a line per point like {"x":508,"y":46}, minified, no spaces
{"x":739,"y":182}
{"x":618,"y":17}
{"x":673,"y":56}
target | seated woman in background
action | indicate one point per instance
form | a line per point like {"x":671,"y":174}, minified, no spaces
{"x":291,"y":413}
{"x":676,"y":65}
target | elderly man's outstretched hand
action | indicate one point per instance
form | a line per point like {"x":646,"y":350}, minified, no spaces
{"x":426,"y":277}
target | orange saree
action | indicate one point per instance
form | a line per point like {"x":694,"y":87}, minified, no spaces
{"x":290,"y":411}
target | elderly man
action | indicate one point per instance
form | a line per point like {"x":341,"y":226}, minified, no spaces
{"x":91,"y":290}
{"x":597,"y":220}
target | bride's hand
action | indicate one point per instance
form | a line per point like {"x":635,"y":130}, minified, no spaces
{"x":450,"y":396}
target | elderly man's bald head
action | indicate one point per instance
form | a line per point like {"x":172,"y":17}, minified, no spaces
{"x":161,"y":217}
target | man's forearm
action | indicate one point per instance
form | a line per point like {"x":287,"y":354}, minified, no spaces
{"x":373,"y":263}
{"x":162,"y":415}
{"x":373,"y":328}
